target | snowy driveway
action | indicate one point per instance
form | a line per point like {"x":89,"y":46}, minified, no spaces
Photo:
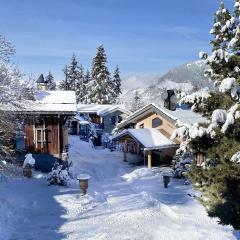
{"x":123,"y":203}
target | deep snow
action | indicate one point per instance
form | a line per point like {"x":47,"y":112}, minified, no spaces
{"x":123,"y":202}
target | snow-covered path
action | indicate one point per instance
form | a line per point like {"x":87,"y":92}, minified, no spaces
{"x":135,"y":206}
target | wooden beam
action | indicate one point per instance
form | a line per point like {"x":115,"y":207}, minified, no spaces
{"x":125,"y":151}
{"x":150,"y":159}
{"x":59,"y":146}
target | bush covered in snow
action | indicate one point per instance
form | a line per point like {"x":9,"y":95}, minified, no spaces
{"x":181,"y":166}
{"x":59,"y":175}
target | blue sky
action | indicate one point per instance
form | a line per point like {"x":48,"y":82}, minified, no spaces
{"x":142,"y":37}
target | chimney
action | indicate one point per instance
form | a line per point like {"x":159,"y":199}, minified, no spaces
{"x":41,"y":84}
{"x":170,"y":99}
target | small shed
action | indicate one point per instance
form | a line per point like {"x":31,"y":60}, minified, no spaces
{"x":148,"y":142}
{"x":45,"y":130}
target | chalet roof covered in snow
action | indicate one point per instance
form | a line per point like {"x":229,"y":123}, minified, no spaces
{"x":182,"y":114}
{"x":150,"y":138}
{"x":101,"y":109}
{"x":52,"y":102}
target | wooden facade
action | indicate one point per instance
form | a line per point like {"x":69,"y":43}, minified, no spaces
{"x":133,"y":149}
{"x":46,"y":134}
{"x":165,"y":126}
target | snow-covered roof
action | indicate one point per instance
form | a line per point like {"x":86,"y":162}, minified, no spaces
{"x":81,"y":120}
{"x":52,"y":102}
{"x":150,"y":138}
{"x":55,"y":97}
{"x":101,"y":109}
{"x":182,"y":114}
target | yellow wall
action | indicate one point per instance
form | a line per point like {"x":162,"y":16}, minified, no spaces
{"x":166,"y":125}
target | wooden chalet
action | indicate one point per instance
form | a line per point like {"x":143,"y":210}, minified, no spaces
{"x":45,"y":123}
{"x":105,"y":117}
{"x":147,"y":132}
{"x":44,"y":126}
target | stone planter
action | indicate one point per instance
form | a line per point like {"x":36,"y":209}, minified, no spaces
{"x":166,"y":180}
{"x":83,"y":183}
{"x":27,"y":171}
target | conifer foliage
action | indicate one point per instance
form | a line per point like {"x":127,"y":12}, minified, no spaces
{"x":80,"y":86}
{"x":218,"y":177}
{"x":100,"y":87}
{"x":96,"y":86}
{"x":50,"y":83}
{"x":136,"y":103}
{"x":116,"y":82}
{"x":64,"y":84}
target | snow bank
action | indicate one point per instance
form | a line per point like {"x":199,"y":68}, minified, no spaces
{"x":138,"y":173}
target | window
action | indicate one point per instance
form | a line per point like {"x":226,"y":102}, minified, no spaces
{"x":39,"y":137}
{"x":141,"y":125}
{"x":156,"y":122}
{"x":113,"y":120}
{"x":120,"y":119}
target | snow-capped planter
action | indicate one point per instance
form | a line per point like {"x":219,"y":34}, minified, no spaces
{"x":27,"y":171}
{"x":28,"y":164}
{"x":83,"y":183}
{"x":166,"y":177}
{"x":166,"y":180}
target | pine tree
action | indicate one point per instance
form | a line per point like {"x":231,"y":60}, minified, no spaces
{"x":137,"y":103}
{"x":116,"y":82}
{"x":73,"y":73}
{"x":65,"y":83}
{"x":87,"y":88}
{"x":80,"y":86}
{"x":218,"y":61}
{"x":99,"y":88}
{"x":218,"y":178}
{"x":50,"y":83}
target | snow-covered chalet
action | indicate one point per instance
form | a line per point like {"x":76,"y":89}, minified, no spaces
{"x":45,"y":130}
{"x":146,"y":134}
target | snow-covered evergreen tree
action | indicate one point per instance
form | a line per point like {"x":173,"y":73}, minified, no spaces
{"x":73,"y":73}
{"x":87,"y":87}
{"x":80,"y":86}
{"x":65,"y":83}
{"x":116,"y":82}
{"x":136,"y":103}
{"x":219,"y":61}
{"x":50,"y":83}
{"x":218,"y":177}
{"x":99,"y":89}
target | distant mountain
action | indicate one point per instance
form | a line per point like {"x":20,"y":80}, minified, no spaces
{"x":185,"y":78}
